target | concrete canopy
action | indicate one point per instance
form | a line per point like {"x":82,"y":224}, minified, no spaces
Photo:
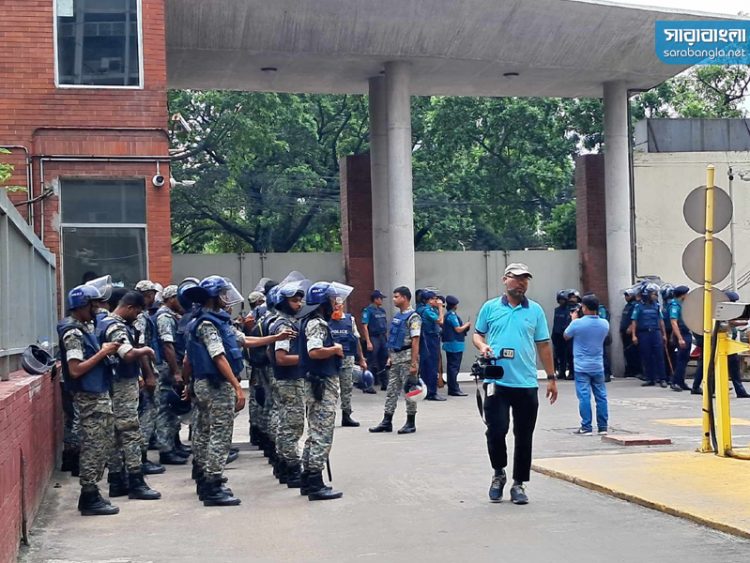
{"x":566,"y":48}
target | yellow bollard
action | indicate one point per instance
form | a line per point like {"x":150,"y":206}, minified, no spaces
{"x":708,"y":255}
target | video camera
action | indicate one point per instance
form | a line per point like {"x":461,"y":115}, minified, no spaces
{"x":485,"y":368}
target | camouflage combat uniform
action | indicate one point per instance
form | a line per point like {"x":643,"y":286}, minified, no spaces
{"x":147,"y":399}
{"x":321,"y":415}
{"x":214,"y":422}
{"x":288,"y":400}
{"x":96,"y":422}
{"x":128,"y":440}
{"x":167,"y":423}
{"x":399,"y":372}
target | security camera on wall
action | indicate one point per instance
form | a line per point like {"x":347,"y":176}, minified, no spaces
{"x":158,"y":181}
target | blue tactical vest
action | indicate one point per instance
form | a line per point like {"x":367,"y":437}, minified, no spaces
{"x":123,"y":370}
{"x":323,"y":368}
{"x":399,"y":331}
{"x":285,"y":372}
{"x":99,"y":378}
{"x":627,"y":314}
{"x":153,"y":341}
{"x":343,"y":333}
{"x":648,"y":317}
{"x":449,"y":333}
{"x":258,"y":356}
{"x":665,"y":315}
{"x":378,"y":323}
{"x":560,"y":319}
{"x":201,"y":362}
{"x":180,"y":337}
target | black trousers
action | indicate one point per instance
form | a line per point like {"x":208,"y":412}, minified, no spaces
{"x":524,"y":404}
{"x":560,"y":353}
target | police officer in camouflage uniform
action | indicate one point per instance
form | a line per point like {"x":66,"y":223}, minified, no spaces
{"x":344,"y":330}
{"x":214,"y":362}
{"x":145,"y":329}
{"x":117,"y":327}
{"x":258,"y":360}
{"x":171,"y":343}
{"x":88,"y":377}
{"x":288,"y":386}
{"x":403,"y":345}
{"x":320,"y":357}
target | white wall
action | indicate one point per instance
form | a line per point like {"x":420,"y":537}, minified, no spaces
{"x":662,"y":182}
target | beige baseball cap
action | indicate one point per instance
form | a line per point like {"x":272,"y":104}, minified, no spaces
{"x":517,"y":269}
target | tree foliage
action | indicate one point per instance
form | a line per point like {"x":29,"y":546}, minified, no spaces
{"x":489,"y":173}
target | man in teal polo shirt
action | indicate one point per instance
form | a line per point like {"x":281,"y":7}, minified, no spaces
{"x":513,"y":329}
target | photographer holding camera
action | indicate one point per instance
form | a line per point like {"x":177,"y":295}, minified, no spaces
{"x":513,"y":329}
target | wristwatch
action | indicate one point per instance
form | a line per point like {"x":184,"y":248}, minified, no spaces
{"x":551,"y":377}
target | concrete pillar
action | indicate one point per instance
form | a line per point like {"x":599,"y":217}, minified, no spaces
{"x":400,"y":200}
{"x":617,"y":203}
{"x":379,"y":183}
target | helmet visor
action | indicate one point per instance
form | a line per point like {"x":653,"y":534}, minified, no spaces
{"x":103,"y":285}
{"x":229,"y":295}
{"x":341,"y":291}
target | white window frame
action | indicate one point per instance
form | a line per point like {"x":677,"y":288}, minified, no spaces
{"x":144,"y":226}
{"x":141,"y":78}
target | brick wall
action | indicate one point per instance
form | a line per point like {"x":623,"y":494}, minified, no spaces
{"x":591,"y":236}
{"x":83,"y":122}
{"x":356,"y":229}
{"x":30,"y":429}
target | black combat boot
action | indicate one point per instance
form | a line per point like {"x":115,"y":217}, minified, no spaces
{"x":200,"y":486}
{"x":196,"y":471}
{"x":171,"y":458}
{"x":150,"y":468}
{"x":283,"y":472}
{"x":386,"y":425}
{"x":409,"y":427}
{"x":75,"y":458}
{"x":215,"y":495}
{"x":181,"y":448}
{"x":91,"y":503}
{"x":347,"y":420}
{"x":232,"y":456}
{"x":139,"y":489}
{"x":118,"y":484}
{"x":293,"y":476}
{"x":254,"y":436}
{"x":317,"y":490}
{"x":304,"y":483}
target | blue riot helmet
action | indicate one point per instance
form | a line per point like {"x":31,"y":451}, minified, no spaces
{"x":733,"y":296}
{"x":186,"y":284}
{"x":82,"y":295}
{"x":368,"y":380}
{"x":319,"y":292}
{"x":214,"y":287}
{"x":575,"y":294}
{"x":179,"y":407}
{"x":649,"y":290}
{"x":561,"y":296}
{"x":667,"y":291}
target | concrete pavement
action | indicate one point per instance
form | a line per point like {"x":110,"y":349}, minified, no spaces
{"x":421,"y":497}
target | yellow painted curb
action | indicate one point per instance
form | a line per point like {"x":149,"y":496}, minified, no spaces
{"x":711,"y":523}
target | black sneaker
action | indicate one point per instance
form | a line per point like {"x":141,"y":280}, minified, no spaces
{"x":518,"y":495}
{"x":582,"y":432}
{"x":496,"y":487}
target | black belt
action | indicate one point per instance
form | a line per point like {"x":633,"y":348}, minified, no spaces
{"x":402,"y":349}
{"x":648,"y":330}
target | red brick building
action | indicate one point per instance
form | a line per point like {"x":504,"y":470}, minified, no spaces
{"x":83,"y":110}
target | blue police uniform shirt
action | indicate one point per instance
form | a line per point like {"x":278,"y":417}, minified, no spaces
{"x":518,"y":328}
{"x":588,"y":334}
{"x":675,"y":312}
{"x":453,"y":346}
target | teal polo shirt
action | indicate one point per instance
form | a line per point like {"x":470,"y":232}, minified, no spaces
{"x":519,"y":328}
